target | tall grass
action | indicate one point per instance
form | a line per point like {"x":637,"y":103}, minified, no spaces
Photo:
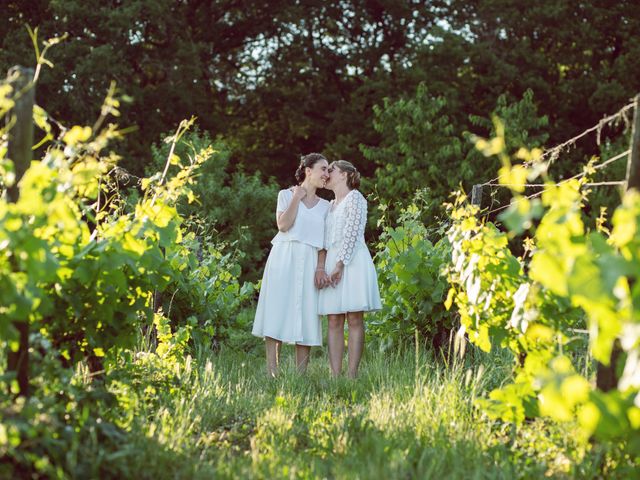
{"x":408,"y":415}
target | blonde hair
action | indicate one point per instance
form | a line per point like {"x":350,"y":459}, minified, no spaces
{"x":353,"y":175}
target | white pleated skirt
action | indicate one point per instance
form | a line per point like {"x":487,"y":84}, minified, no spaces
{"x":358,"y":289}
{"x":288,"y":302}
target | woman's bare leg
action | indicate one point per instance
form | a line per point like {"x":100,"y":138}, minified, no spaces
{"x":355,"y":344}
{"x":335,"y":343}
{"x":273,"y":355}
{"x":302,"y":357}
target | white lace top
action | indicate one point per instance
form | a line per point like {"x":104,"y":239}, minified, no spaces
{"x":345,"y":226}
{"x":308,"y":226}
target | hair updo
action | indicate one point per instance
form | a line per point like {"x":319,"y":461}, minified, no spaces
{"x":353,"y":175}
{"x":307,"y":161}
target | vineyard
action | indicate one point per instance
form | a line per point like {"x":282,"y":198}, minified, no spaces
{"x":508,"y":345}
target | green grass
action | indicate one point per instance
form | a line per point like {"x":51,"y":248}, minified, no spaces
{"x":406,"y":416}
{"x":218,"y":415}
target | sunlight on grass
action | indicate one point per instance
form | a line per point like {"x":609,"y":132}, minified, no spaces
{"x":230,"y":420}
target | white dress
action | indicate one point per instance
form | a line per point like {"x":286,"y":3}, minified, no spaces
{"x":358,"y":290}
{"x":288,"y":302}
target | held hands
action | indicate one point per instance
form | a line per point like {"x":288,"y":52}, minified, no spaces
{"x":336,"y":275}
{"x":321,"y":279}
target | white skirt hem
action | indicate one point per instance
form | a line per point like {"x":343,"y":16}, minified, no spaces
{"x":357,"y":291}
{"x":288,"y":303}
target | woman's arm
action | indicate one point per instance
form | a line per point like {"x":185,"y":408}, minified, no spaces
{"x":286,"y":219}
{"x":321,"y":278}
{"x":356,"y":218}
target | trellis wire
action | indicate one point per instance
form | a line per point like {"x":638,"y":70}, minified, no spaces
{"x":555,"y":151}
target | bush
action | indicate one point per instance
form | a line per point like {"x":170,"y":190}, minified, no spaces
{"x":420,"y":148}
{"x":409,"y":267}
{"x":231,"y":206}
{"x":208,"y":293}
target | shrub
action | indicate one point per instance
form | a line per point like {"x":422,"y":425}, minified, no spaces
{"x":409,"y":267}
{"x":231,"y":206}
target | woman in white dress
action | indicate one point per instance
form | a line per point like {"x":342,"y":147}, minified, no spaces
{"x":288,"y":303}
{"x":353,"y":283}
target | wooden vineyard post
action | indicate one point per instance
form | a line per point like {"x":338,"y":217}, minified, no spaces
{"x":607,"y":375}
{"x":633,"y":166}
{"x":476,"y":195}
{"x":20,"y":144}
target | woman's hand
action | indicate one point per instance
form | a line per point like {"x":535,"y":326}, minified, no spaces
{"x":299,"y":192}
{"x":321,"y":279}
{"x":336,"y":275}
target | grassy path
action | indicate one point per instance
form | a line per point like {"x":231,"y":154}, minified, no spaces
{"x":225,"y":419}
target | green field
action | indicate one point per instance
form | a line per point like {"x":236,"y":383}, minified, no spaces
{"x":406,"y":416}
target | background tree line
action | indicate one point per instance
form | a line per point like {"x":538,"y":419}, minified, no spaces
{"x":390,"y":85}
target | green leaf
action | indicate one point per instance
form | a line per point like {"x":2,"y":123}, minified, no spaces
{"x":549,"y":271}
{"x":76,"y":135}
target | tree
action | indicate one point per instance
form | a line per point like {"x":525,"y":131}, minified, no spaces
{"x":420,"y":149}
{"x":579,"y":58}
{"x":277,"y":79}
{"x":273,"y":77}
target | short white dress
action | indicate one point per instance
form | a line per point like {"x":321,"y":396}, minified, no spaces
{"x":288,"y":302}
{"x":358,"y":290}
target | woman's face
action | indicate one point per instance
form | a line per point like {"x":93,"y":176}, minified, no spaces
{"x":318,"y":174}
{"x":335,"y":177}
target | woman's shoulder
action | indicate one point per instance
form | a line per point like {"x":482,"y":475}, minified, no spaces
{"x":286,"y":192}
{"x":357,"y":196}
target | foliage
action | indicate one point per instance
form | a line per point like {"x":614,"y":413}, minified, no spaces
{"x":208,"y":293}
{"x":523,"y":126}
{"x":277,"y":78}
{"x":232,"y":207}
{"x":75,"y":426}
{"x":577,"y":73}
{"x":420,"y":148}
{"x":532,"y":305}
{"x":88,"y":269}
{"x":602,"y":201}
{"x":220,"y":416}
{"x":59,"y":430}
{"x":412,"y":285}
{"x":281,"y":78}
{"x":521,"y":122}
{"x":85,"y":290}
